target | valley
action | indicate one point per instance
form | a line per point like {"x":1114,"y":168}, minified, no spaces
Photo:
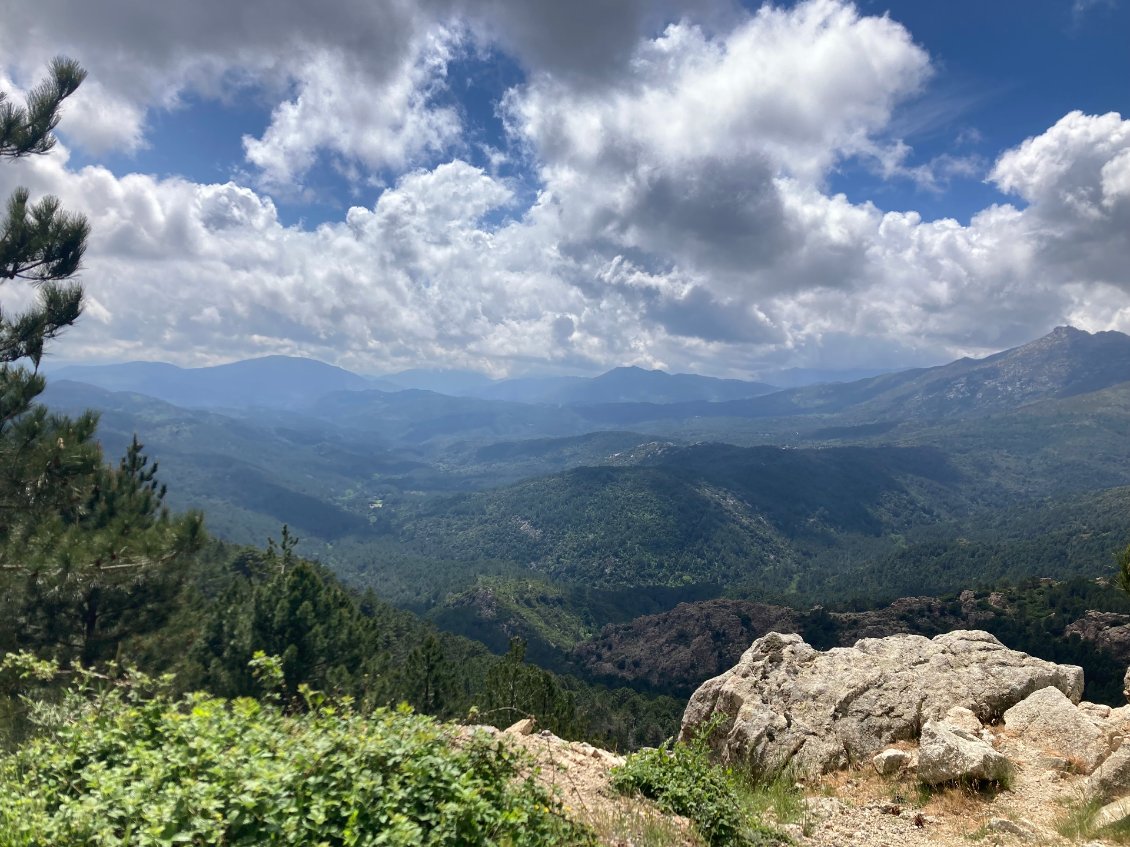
{"x":542,"y":509}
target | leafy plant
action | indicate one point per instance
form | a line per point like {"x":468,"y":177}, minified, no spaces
{"x":683,"y":780}
{"x":124,"y":763}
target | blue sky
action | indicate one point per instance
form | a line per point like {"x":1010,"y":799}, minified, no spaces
{"x":519,"y":186}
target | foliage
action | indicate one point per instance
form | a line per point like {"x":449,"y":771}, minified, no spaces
{"x":81,"y":544}
{"x":514,"y":689}
{"x":683,"y":780}
{"x":92,"y":574}
{"x":1122,"y":577}
{"x":240,"y":602}
{"x":124,"y":766}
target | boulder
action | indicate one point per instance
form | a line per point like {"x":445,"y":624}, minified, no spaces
{"x":890,"y":762}
{"x":951,"y":754}
{"x":1112,"y":813}
{"x":1050,"y":722}
{"x":525,"y":726}
{"x":1112,"y":777}
{"x":786,"y":702}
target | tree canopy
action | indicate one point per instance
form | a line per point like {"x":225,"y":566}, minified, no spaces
{"x":80,"y":543}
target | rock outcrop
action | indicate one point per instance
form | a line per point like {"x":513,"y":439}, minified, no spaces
{"x":950,"y":754}
{"x":891,"y":761}
{"x":1048,"y":721}
{"x":1108,"y":630}
{"x":788,"y":703}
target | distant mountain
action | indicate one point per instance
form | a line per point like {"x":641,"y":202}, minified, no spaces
{"x":440,"y":380}
{"x":554,"y":390}
{"x":249,"y":476}
{"x":624,"y":385}
{"x":414,"y":417}
{"x":800,"y":377}
{"x":283,"y":382}
{"x":1064,"y":363}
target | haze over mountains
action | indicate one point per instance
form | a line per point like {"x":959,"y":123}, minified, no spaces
{"x":1063,"y":363}
{"x":910,"y":481}
{"x":289,"y":381}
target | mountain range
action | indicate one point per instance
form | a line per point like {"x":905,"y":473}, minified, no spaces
{"x":928,"y":478}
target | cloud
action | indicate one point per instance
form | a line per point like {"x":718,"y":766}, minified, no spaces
{"x":148,"y":56}
{"x":1074,"y":178}
{"x":675,"y":212}
{"x":336,"y":109}
{"x":684,"y":158}
{"x":1079,"y":8}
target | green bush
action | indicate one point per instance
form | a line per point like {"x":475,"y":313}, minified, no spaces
{"x":119,"y":767}
{"x":683,"y":780}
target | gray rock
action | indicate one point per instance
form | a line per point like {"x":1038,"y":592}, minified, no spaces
{"x":1048,"y":721}
{"x":785,"y":702}
{"x":1126,"y":685}
{"x":1112,"y":813}
{"x":951,"y":754}
{"x":890,"y":762}
{"x":1096,"y":710}
{"x":1112,"y":777}
{"x":1008,"y":827}
{"x":963,"y":718}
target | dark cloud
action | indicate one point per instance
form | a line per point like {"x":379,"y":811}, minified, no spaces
{"x":697,"y":314}
{"x":583,"y":41}
{"x":718,"y":215}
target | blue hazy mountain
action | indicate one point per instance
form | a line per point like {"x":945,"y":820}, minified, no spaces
{"x":1064,"y":363}
{"x":272,"y":382}
{"x":624,"y":385}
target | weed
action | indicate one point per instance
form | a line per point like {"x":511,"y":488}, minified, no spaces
{"x":724,"y":805}
{"x":1078,"y":818}
{"x":639,"y":825}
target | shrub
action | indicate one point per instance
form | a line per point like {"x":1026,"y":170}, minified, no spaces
{"x":683,"y":780}
{"x":125,"y":768}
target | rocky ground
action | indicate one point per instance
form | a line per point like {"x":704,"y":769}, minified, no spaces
{"x":579,"y":774}
{"x":851,"y":808}
{"x":893,"y":731}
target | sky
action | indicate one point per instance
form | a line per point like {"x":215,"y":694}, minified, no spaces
{"x":529,"y":186}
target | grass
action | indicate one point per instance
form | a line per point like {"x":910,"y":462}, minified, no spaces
{"x":640,"y":825}
{"x":1078,"y":822}
{"x":778,"y":797}
{"x":726,"y":806}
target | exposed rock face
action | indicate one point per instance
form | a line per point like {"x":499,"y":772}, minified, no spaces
{"x":963,"y":718}
{"x":787,"y":702}
{"x":1048,"y":721}
{"x":1108,"y":630}
{"x":1112,"y":813}
{"x":678,"y":649}
{"x":948,"y":754}
{"x":921,"y":615}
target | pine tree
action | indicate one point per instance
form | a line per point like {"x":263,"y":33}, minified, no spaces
{"x":514,"y":689}
{"x":83,"y":547}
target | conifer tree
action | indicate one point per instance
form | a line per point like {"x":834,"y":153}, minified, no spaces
{"x":514,"y":689}
{"x":82,"y":545}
